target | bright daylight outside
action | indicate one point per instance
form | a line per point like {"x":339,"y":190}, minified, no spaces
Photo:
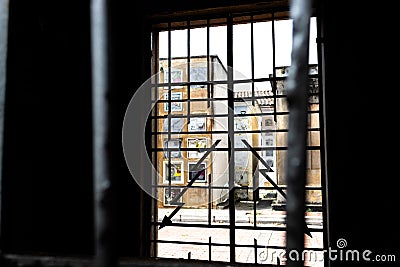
{"x":219,"y":141}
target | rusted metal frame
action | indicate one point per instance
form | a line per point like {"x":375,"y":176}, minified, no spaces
{"x":3,"y":70}
{"x":103,"y":108}
{"x":297,"y":96}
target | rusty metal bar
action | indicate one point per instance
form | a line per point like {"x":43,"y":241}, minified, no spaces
{"x":104,"y":195}
{"x":3,"y":59}
{"x":297,"y":92}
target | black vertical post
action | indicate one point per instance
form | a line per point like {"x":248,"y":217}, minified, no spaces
{"x":274,"y":65}
{"x":252,"y":61}
{"x":321,"y":83}
{"x":209,"y":199}
{"x":3,"y":56}
{"x":208,"y":66}
{"x":104,"y":180}
{"x":231,"y":136}
{"x":209,"y":248}
{"x":188,"y":73}
{"x":297,"y":91}
{"x":255,"y":251}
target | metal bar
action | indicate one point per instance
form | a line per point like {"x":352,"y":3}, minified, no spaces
{"x":252,"y":59}
{"x":188,"y":74}
{"x":324,"y":178}
{"x":208,"y":65}
{"x":3,"y":70}
{"x":226,"y":226}
{"x":254,"y":245}
{"x":238,"y":149}
{"x":236,"y":187}
{"x":255,"y":198}
{"x":217,"y":15}
{"x":104,"y":204}
{"x":231,"y":136}
{"x":237,"y":116}
{"x":242,"y":132}
{"x":255,"y":250}
{"x":297,"y":92}
{"x":209,"y":198}
{"x":211,"y":82}
{"x":209,"y":248}
{"x":274,"y":65}
{"x":169,"y":107}
{"x":156,"y":69}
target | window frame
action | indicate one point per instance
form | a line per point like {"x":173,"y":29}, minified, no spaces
{"x":280,"y":13}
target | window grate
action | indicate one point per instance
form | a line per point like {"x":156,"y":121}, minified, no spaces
{"x":201,"y":98}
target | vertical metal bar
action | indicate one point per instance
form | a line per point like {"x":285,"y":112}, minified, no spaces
{"x":255,"y":193}
{"x":104,"y":204}
{"x":255,"y":251}
{"x":321,"y":84}
{"x":209,"y":199}
{"x":156,"y":125}
{"x":169,"y":110}
{"x":231,"y":136}
{"x":188,"y":73}
{"x":208,"y":65}
{"x":273,"y":64}
{"x":3,"y":69}
{"x":255,"y":177}
{"x":208,"y":106}
{"x":209,"y":248}
{"x":252,"y":60}
{"x":297,"y":91}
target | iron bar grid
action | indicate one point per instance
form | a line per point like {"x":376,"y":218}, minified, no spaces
{"x":231,"y":149}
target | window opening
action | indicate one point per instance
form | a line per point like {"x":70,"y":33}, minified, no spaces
{"x":219,"y":140}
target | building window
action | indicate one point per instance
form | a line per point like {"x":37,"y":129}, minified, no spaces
{"x":230,"y":115}
{"x":197,"y":124}
{"x":199,"y":144}
{"x":173,"y":143}
{"x":171,"y":196}
{"x":199,"y":173}
{"x":173,"y":172}
{"x":175,"y":106}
